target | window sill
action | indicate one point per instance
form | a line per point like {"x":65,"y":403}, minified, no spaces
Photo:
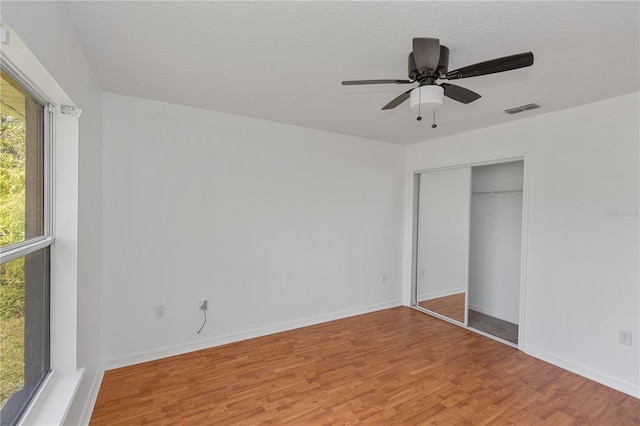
{"x":51,"y":403}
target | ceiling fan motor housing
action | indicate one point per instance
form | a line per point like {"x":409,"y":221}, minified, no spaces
{"x":443,"y":65}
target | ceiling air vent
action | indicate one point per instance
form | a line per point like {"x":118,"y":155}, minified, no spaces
{"x":521,"y":108}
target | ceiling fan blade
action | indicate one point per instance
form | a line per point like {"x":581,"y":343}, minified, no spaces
{"x":507,"y":63}
{"x":355,"y":82}
{"x":398,"y":100}
{"x":426,"y":52}
{"x":459,"y":94}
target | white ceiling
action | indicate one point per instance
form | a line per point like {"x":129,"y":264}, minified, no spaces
{"x":284,"y":61}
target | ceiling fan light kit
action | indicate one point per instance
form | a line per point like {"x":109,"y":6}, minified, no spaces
{"x":428,"y":97}
{"x":429,"y":62}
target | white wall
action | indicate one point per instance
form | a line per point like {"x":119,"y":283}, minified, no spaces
{"x":277,"y":226}
{"x":581,"y":257}
{"x":45,"y":28}
{"x":507,"y":176}
{"x":495,"y":240}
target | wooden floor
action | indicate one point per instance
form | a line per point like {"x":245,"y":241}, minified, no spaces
{"x":450,"y":306}
{"x":392,"y":367}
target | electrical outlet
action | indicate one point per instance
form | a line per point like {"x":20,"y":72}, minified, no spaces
{"x":625,"y":338}
{"x":384,"y":278}
{"x":159,"y":311}
{"x":204,"y":305}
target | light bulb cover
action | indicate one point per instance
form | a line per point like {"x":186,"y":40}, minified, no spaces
{"x":429,"y":96}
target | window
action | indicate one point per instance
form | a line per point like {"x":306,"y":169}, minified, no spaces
{"x":25,"y":240}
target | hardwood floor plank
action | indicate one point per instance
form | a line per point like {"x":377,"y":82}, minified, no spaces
{"x":396,"y":366}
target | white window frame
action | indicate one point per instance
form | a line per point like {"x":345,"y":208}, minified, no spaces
{"x":23,"y":248}
{"x":52,"y":401}
{"x":31,"y":245}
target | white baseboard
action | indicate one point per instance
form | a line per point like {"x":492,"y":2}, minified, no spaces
{"x":495,"y":314}
{"x":90,"y":402}
{"x":442,"y":293}
{"x":581,"y":370}
{"x":167,"y":351}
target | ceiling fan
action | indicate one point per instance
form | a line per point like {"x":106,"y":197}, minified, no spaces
{"x":429,"y":62}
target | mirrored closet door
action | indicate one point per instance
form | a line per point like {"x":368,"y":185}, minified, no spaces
{"x":443,"y":242}
{"x":468,"y":225}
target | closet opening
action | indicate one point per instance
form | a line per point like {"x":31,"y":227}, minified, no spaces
{"x":494,"y":249}
{"x":467,"y":246}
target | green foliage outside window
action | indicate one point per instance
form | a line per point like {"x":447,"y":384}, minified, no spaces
{"x":12,"y":230}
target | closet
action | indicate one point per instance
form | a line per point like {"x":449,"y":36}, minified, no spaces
{"x":467,"y":242}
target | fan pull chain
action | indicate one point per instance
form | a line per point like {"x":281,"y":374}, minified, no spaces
{"x":419,"y":103}
{"x":434,"y":125}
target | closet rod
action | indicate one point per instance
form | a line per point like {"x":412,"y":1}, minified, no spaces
{"x":496,"y":192}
